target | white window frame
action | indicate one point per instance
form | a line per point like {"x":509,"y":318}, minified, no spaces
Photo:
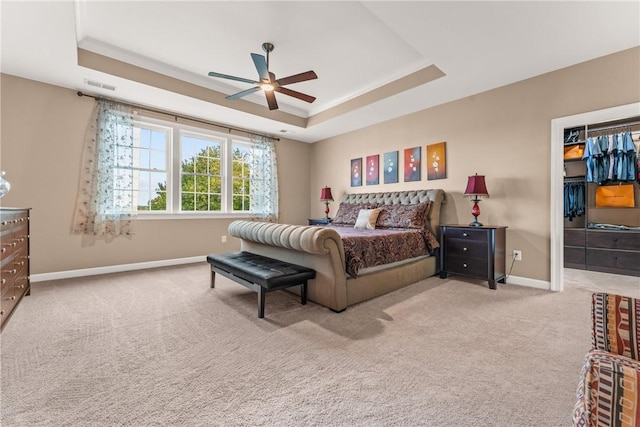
{"x":173,"y":159}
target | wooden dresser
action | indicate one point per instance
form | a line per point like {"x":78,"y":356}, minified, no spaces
{"x":14,"y":248}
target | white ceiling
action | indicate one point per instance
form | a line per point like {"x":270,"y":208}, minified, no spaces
{"x":354,"y":47}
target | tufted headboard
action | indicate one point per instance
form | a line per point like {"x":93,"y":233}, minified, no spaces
{"x":436,"y":196}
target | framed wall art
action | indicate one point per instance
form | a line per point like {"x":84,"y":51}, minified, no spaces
{"x":412,"y":164}
{"x":390,"y":167}
{"x":436,"y":161}
{"x":356,"y":172}
{"x":373,"y":170}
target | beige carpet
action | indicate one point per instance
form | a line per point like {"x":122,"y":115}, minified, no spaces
{"x":159,"y":348}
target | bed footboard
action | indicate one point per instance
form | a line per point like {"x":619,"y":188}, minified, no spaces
{"x":314,"y":247}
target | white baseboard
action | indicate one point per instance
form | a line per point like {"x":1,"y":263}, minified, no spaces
{"x":532,"y":283}
{"x":56,"y":275}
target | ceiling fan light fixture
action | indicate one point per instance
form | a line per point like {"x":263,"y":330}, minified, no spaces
{"x":267,"y":87}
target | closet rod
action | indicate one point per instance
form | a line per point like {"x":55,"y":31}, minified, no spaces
{"x":573,"y":180}
{"x":178,"y":116}
{"x":622,"y":126}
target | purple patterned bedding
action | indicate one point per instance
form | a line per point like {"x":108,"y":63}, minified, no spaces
{"x":370,"y":248}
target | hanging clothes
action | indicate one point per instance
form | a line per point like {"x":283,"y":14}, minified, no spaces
{"x":611,"y":158}
{"x":574,"y":199}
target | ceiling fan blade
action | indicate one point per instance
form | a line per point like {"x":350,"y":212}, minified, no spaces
{"x":271,"y":99}
{"x":295,"y":94}
{"x":244,"y":93}
{"x":296,"y":78}
{"x":261,"y":66}
{"x":226,"y":76}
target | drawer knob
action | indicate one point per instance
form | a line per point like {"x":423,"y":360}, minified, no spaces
{"x":465,"y":234}
{"x":13,"y":298}
{"x":464,"y":265}
{"x":464,"y":249}
{"x":1,"y":312}
{"x":3,"y":250}
{"x":3,"y":281}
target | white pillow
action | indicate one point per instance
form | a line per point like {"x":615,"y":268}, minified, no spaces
{"x":367,"y":219}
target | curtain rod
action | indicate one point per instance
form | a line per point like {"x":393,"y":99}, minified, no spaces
{"x":166,"y":113}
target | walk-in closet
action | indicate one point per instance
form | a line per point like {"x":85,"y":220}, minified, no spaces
{"x":602,"y":197}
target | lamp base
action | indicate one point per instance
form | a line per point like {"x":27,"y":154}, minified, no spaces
{"x":475,"y":211}
{"x":326,"y":211}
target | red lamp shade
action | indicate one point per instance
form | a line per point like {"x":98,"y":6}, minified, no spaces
{"x":476,"y":189}
{"x":326,"y":197}
{"x":476,"y":186}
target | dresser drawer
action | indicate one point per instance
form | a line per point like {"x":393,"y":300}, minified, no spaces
{"x":574,"y":255}
{"x":626,"y":240}
{"x":7,"y":303}
{"x":466,"y":248}
{"x":623,"y":260}
{"x":574,"y":237}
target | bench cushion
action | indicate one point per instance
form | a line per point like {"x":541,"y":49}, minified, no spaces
{"x":261,"y":270}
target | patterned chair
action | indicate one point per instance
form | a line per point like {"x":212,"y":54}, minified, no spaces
{"x":608,"y":393}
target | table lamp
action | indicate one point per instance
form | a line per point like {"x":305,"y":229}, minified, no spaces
{"x":476,"y":189}
{"x":326,"y":197}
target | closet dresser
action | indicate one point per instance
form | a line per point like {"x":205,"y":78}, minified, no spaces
{"x":14,"y":252}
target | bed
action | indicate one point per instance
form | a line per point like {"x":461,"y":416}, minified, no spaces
{"x":337,"y":285}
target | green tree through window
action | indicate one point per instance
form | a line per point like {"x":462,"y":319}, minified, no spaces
{"x":201,"y":182}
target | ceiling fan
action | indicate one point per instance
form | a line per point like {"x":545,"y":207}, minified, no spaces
{"x":268,"y":82}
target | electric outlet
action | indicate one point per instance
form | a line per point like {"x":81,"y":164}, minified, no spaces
{"x":517,"y":255}
{"x":224,"y":239}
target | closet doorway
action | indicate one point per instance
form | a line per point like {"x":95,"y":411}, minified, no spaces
{"x":557,"y":179}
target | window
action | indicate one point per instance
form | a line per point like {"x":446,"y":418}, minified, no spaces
{"x":178,"y":169}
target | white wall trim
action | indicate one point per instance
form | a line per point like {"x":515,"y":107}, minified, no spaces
{"x":56,"y":275}
{"x":525,"y":281}
{"x":557,"y":165}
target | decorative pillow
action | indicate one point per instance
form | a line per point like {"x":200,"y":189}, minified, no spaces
{"x":404,"y":216}
{"x":348,"y":213}
{"x":367,"y":219}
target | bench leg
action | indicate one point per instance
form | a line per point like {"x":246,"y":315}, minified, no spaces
{"x":303,"y":293}
{"x":213,"y":278}
{"x":261,"y":294}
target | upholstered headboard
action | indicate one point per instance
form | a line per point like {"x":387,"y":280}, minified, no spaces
{"x":436,"y":196}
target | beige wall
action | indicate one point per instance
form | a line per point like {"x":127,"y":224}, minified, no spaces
{"x":503,"y":134}
{"x":42,"y":130}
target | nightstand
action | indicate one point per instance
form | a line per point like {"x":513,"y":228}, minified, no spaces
{"x":477,"y":252}
{"x":319,"y":221}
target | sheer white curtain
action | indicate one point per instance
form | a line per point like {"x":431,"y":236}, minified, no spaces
{"x":264,"y":179}
{"x":106,"y":204}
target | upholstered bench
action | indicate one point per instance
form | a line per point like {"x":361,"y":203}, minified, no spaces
{"x":260,"y":274}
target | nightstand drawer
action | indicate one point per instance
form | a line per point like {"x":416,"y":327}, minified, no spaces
{"x":476,"y":267}
{"x":467,"y":234}
{"x":466,"y":248}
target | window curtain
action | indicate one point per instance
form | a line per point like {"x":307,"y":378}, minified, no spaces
{"x":264,"y":179}
{"x":106,"y":205}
